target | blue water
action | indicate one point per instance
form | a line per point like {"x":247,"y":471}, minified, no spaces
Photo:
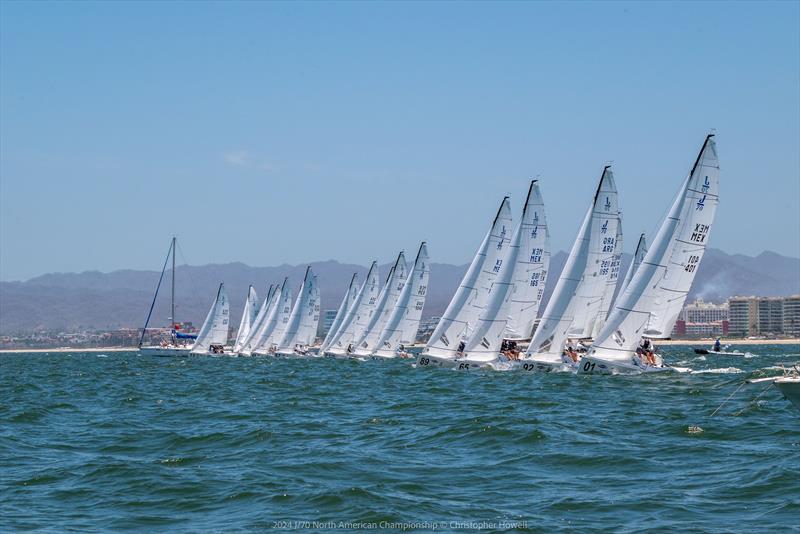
{"x":120,"y":442}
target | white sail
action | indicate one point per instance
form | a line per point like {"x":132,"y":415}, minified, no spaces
{"x":303,"y":320}
{"x":215,"y":328}
{"x":257,"y":341}
{"x":487,"y":337}
{"x":249,"y":315}
{"x":280,"y":320}
{"x":530,"y":271}
{"x":347,"y":301}
{"x":636,"y":260}
{"x":386,"y":303}
{"x":560,"y":314}
{"x":258,"y":325}
{"x":403,"y":323}
{"x":468,"y":302}
{"x":656,"y":293}
{"x":609,"y":267}
{"x":358,"y":316}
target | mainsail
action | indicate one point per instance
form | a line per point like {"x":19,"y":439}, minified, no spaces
{"x":359,"y":313}
{"x":402,"y":325}
{"x":270,"y":321}
{"x":560,"y":315}
{"x":386,"y":303}
{"x":215,"y":328}
{"x":248,"y":319}
{"x":303,"y":320}
{"x":468,"y":302}
{"x":347,"y":301}
{"x":487,"y":337}
{"x":530,"y":271}
{"x":656,"y":293}
{"x":611,"y":267}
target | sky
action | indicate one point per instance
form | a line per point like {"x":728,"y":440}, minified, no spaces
{"x":272,"y":133}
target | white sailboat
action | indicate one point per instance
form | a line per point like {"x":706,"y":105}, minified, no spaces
{"x":302,"y":327}
{"x":384,"y":307}
{"x":347,"y":302}
{"x":213,"y":334}
{"x":482,"y":348}
{"x":249,"y":315}
{"x":659,"y":287}
{"x":403,"y":323}
{"x":469,"y":300}
{"x":178,"y":343}
{"x":357,"y":318}
{"x":577,"y":298}
{"x":257,"y":329}
{"x":269,"y":322}
{"x":277,"y":323}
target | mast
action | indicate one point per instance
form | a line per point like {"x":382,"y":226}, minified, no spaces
{"x":172,"y":326}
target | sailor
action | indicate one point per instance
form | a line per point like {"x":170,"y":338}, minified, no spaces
{"x":572,"y":354}
{"x":717,"y":345}
{"x":461,"y":347}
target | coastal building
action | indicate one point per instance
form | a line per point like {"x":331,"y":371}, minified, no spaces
{"x":325,"y":323}
{"x":702,"y":319}
{"x":764,"y":316}
{"x":791,"y":316}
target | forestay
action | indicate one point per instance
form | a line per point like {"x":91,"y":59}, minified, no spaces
{"x":653,"y":299}
{"x":403,"y":323}
{"x":386,"y":303}
{"x":469,"y":299}
{"x":249,"y":315}
{"x":215,"y":328}
{"x":347,"y":301}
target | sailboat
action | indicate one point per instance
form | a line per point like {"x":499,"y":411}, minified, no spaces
{"x":577,"y":300}
{"x":788,"y":384}
{"x":483,"y":347}
{"x":276,"y":324}
{"x":213,"y":334}
{"x":655,"y":295}
{"x":249,"y":315}
{"x":387,"y":299}
{"x":469,"y":300}
{"x":301,"y":330}
{"x":403,"y":323}
{"x":178,"y":344}
{"x":358,"y":316}
{"x":347,"y":302}
{"x":260,"y":322}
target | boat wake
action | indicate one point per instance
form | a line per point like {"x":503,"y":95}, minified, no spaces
{"x":719,"y":371}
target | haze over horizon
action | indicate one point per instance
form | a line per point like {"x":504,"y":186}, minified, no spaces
{"x":273,"y":133}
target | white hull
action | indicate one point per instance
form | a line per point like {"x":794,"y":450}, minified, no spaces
{"x":592,"y":365}
{"x":790,"y":387}
{"x":534,"y":365}
{"x":164,"y":351}
{"x":465,"y":364}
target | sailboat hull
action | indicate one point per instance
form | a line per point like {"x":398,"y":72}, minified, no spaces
{"x":465,"y":364}
{"x":164,"y":351}
{"x":790,"y":387}
{"x":591,"y":365}
{"x":534,"y":365}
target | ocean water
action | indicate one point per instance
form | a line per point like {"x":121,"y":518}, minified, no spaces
{"x":96,"y":442}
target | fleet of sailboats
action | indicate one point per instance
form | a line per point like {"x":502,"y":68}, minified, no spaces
{"x":594,"y":322}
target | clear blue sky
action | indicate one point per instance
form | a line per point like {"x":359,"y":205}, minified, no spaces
{"x":274,"y":133}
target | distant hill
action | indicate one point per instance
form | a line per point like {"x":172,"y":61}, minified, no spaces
{"x":95,"y":300}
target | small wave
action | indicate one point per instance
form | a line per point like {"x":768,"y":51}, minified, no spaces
{"x":719,"y":371}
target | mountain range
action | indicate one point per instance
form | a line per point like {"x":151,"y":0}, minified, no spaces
{"x":94,"y":300}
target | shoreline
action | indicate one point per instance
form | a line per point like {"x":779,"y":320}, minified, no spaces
{"x":697,"y":342}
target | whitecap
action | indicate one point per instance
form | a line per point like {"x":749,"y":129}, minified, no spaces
{"x":719,"y":371}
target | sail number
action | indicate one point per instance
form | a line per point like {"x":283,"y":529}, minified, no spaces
{"x":691,"y":265}
{"x":588,"y":367}
{"x":424,"y":361}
